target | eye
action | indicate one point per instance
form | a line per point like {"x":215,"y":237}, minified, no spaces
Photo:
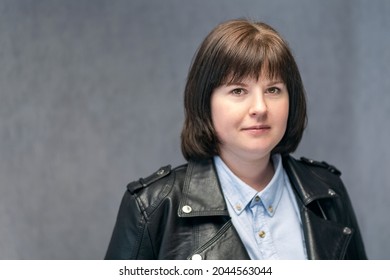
{"x":238,"y":91}
{"x":273,"y":90}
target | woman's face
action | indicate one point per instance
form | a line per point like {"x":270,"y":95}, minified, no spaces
{"x":250,"y":117}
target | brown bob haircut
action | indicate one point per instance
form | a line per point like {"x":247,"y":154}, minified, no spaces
{"x":234,"y":50}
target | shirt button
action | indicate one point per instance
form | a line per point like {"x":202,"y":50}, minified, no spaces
{"x":257,"y":198}
{"x":270,"y":209}
{"x":238,"y":207}
{"x":262,"y":234}
{"x":186,"y":209}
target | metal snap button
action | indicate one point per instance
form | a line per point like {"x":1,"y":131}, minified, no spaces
{"x":347,"y":231}
{"x":186,"y":209}
{"x":331,"y":192}
{"x":160,"y":172}
{"x":196,"y":257}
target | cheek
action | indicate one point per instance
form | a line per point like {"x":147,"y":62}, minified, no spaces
{"x":217,"y":117}
{"x":284,"y":114}
{"x":281,"y":114}
{"x":220,"y":114}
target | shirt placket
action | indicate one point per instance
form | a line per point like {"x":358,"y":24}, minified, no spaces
{"x":262,"y":232}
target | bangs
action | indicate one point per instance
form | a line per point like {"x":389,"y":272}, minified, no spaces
{"x":252,"y":55}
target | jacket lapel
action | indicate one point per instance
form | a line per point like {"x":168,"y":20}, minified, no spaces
{"x":324,"y":238}
{"x":203,"y":197}
{"x":224,"y":245}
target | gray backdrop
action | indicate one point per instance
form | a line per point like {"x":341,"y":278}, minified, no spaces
{"x":91,"y":98}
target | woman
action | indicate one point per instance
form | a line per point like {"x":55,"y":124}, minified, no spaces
{"x":241,"y":195}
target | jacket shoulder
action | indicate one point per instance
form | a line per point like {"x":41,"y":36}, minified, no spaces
{"x":156,"y":178}
{"x":149,"y":192}
{"x":320,"y":164}
{"x":313,"y":179}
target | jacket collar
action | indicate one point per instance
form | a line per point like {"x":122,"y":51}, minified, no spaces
{"x":202,"y":194}
{"x":209,"y":200}
{"x":308,"y":185}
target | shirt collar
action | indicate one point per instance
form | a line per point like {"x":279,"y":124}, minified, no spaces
{"x":240,"y":195}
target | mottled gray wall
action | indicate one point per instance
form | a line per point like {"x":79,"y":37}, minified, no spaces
{"x":91,"y":98}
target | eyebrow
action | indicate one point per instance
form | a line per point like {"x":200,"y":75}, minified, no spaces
{"x":271,"y":83}
{"x":236,"y":84}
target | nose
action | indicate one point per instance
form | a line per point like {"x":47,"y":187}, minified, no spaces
{"x":258,"y":106}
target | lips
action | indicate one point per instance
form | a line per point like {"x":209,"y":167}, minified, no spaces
{"x":257,"y":127}
{"x":257,"y":130}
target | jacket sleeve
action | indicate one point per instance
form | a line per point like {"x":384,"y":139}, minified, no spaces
{"x":129,"y":238}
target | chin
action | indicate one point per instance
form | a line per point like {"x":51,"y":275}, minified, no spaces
{"x":258,"y":154}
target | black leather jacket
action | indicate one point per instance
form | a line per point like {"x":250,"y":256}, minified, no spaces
{"x":181,"y":213}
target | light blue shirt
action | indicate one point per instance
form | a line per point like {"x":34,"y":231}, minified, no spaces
{"x":268,"y":222}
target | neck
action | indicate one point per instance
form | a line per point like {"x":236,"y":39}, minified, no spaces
{"x":256,"y":173}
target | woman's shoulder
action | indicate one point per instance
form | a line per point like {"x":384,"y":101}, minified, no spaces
{"x":314,"y":179}
{"x":314,"y":165}
{"x":165,"y":175}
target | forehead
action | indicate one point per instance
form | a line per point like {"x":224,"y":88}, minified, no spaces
{"x":262,"y":74}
